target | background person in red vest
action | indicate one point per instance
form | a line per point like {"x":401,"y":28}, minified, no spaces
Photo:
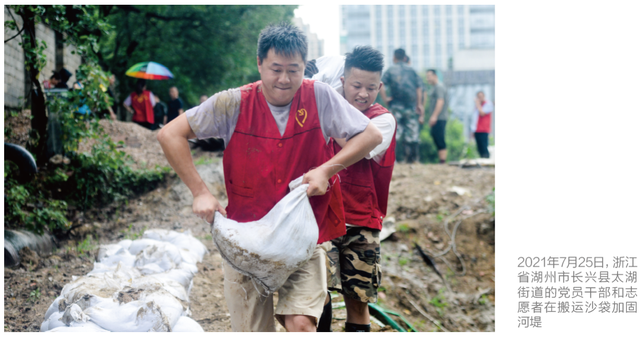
{"x":484,"y":108}
{"x":354,"y":258}
{"x":140,"y":103}
{"x":275,"y":130}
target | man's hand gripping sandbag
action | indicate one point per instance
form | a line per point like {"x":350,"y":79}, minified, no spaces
{"x":269,"y":250}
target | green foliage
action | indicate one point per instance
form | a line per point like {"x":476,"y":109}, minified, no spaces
{"x":203,"y":161}
{"x":34,"y":295}
{"x":439,"y":302}
{"x":86,"y":246}
{"x":403,"y":261}
{"x":491,"y":201}
{"x":132,"y":235}
{"x":105,"y":175}
{"x":404,"y":228}
{"x":454,"y":137}
{"x":484,"y":300}
{"x":28,"y":206}
{"x":207,"y":48}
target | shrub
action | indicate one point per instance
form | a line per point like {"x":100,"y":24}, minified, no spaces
{"x":454,"y":136}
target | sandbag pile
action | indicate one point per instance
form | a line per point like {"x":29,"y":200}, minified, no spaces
{"x":135,"y":286}
{"x":269,"y":250}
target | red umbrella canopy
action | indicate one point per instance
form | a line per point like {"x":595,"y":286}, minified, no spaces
{"x":149,"y":70}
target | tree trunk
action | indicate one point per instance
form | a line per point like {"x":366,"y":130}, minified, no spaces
{"x":38,"y":135}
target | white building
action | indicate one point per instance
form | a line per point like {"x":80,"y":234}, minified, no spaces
{"x":430,"y":34}
{"x":315,"y":45}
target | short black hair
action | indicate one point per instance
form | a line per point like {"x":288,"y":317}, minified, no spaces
{"x":432,"y":70}
{"x":364,"y":57}
{"x":140,"y":85}
{"x":285,"y":38}
{"x":399,"y":54}
{"x":311,"y":69}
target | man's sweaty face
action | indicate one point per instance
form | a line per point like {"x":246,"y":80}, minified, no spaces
{"x":361,"y":88}
{"x":281,"y":77}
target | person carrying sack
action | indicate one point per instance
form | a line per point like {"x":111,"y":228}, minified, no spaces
{"x":354,"y":259}
{"x":275,"y":130}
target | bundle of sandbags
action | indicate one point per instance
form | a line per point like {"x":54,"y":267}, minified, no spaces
{"x":135,"y":286}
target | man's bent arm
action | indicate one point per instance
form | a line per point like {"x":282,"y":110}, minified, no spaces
{"x":437,"y":109}
{"x":174,"y":141}
{"x":353,"y":151}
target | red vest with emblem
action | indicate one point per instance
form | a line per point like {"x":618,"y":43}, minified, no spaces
{"x":365,"y":184}
{"x":141,"y":104}
{"x":259,"y":163}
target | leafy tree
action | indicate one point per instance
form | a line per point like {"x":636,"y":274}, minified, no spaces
{"x":82,"y":26}
{"x":207,"y":48}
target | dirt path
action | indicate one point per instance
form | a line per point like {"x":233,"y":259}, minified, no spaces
{"x":421,"y":201}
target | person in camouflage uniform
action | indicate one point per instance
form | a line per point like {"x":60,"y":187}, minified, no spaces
{"x":405,"y":102}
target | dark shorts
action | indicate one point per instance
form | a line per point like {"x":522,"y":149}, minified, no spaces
{"x":353,"y":264}
{"x":437,"y":133}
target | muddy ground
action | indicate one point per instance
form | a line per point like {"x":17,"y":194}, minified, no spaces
{"x":424,"y":199}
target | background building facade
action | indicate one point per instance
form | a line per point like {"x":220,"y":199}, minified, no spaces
{"x":430,"y":34}
{"x":315,"y":45}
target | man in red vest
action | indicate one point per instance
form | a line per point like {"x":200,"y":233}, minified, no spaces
{"x":275,"y":130}
{"x":354,"y":258}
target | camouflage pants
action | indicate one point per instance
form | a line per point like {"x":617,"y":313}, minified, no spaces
{"x":353,"y":264}
{"x":408,"y":126}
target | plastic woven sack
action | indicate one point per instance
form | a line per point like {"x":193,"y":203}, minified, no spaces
{"x":269,"y":250}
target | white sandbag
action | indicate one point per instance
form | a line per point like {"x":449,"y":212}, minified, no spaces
{"x":122,"y":270}
{"x":135,"y":316}
{"x":181,"y":276}
{"x":140,"y":244}
{"x":270,"y":249}
{"x":190,"y":247}
{"x":113,"y":258}
{"x":84,"y":327}
{"x":125,"y":243}
{"x":53,"y":322}
{"x":155,"y":256}
{"x":170,"y":307}
{"x":102,"y":285}
{"x":54,"y":307}
{"x":186,"y":324}
{"x":153,"y":282}
{"x":107,"y":250}
{"x":73,"y":313}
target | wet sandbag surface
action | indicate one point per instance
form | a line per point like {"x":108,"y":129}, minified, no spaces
{"x":269,"y":250}
{"x":135,"y":286}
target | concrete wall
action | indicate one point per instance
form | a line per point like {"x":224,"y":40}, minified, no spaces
{"x":13,"y":65}
{"x":14,"y":72}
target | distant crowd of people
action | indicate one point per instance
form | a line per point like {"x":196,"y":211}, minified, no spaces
{"x":406,"y":102}
{"x":142,"y":106}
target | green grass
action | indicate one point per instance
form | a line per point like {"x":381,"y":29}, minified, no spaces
{"x":404,"y":228}
{"x":34,"y":295}
{"x":86,"y":246}
{"x":129,"y":233}
{"x":439,"y":302}
{"x":203,"y":161}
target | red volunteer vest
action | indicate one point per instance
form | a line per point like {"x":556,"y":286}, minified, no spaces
{"x":141,"y":104}
{"x":259,"y":163}
{"x":365,"y":184}
{"x":484,"y":123}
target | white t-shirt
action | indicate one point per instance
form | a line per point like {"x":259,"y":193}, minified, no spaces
{"x":218,"y":115}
